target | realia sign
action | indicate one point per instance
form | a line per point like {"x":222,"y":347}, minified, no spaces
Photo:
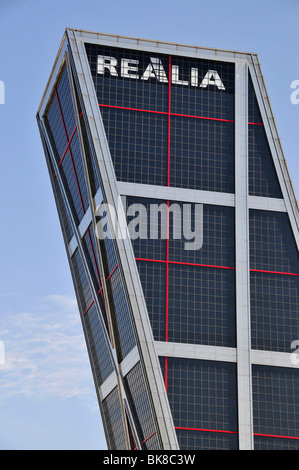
{"x":131,"y":68}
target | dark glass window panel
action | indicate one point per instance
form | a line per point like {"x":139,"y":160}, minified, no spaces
{"x":153,"y":280}
{"x":263,"y":180}
{"x":67,"y":227}
{"x":108,"y":250}
{"x":60,"y":123}
{"x":91,"y":255}
{"x":90,"y":251}
{"x":274,"y":304}
{"x":272,"y":243}
{"x":101,"y":359}
{"x":140,"y":403}
{"x":66,"y":102}
{"x":121,"y":315}
{"x":114,"y":421}
{"x":138,"y":145}
{"x":91,"y":162}
{"x":81,"y":281}
{"x":197,"y":440}
{"x":201,"y":308}
{"x":275,"y":400}
{"x":71,"y":188}
{"x":55,"y":129}
{"x":202,"y":154}
{"x":202,"y":394}
{"x":76,"y":155}
{"x":90,"y":157}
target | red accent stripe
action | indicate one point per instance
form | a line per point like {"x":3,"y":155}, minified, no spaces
{"x":64,"y":153}
{"x":112,"y":272}
{"x":202,"y":117}
{"x":132,"y":109}
{"x":202,"y":265}
{"x":91,"y":303}
{"x":185,"y":264}
{"x":213,"y":266}
{"x":235,"y":432}
{"x":153,"y":433}
{"x":273,"y":272}
{"x":205,"y":430}
{"x":167,"y":113}
{"x":273,"y":435}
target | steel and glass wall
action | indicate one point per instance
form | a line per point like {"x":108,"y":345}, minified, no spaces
{"x":190,"y":339}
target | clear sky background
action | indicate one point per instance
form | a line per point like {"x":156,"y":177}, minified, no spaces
{"x":47,"y":397}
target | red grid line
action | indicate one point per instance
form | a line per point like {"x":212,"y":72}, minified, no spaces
{"x":205,"y":430}
{"x":91,"y":303}
{"x":274,"y":435}
{"x":143,"y":442}
{"x":67,"y":147}
{"x":273,"y":272}
{"x":166,"y":113}
{"x":112,"y":272}
{"x":169,"y":113}
{"x":234,"y":432}
{"x":213,"y":266}
{"x":185,"y":264}
{"x":152,"y":434}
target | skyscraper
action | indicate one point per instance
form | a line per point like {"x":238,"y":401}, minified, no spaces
{"x":181,"y":228}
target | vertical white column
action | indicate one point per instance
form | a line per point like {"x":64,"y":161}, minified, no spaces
{"x":242,"y":260}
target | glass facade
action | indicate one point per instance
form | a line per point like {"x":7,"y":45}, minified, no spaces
{"x":105,"y":312}
{"x":156,"y":126}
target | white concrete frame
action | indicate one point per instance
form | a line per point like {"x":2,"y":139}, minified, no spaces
{"x":243,"y":356}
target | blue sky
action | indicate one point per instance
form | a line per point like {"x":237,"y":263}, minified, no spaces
{"x":47,"y":398}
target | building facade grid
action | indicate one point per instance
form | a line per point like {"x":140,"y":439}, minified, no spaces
{"x":238,"y":293}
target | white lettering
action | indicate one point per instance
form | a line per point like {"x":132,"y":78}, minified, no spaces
{"x":212,"y":78}
{"x":109,"y":63}
{"x":156,"y":70}
{"x":194,"y":77}
{"x":175,"y":76}
{"x":128,"y":69}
